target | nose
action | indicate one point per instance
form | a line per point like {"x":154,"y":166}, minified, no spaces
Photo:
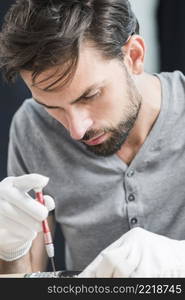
{"x":79,"y":123}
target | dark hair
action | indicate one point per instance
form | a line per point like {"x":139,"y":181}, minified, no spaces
{"x":39,"y":34}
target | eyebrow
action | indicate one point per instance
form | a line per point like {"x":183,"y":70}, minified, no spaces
{"x":97,"y":85}
{"x":45,"y":105}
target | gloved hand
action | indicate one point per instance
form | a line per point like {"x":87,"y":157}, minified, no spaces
{"x":20,"y":214}
{"x":139,"y":253}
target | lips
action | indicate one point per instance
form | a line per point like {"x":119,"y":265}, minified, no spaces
{"x":97,"y":140}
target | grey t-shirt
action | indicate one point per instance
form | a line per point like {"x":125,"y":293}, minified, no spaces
{"x":99,"y":199}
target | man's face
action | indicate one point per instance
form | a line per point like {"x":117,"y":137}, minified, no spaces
{"x":98,"y":107}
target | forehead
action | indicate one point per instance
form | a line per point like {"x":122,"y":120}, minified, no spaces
{"x":91,"y":67}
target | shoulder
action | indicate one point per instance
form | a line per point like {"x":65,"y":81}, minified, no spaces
{"x":173,"y":90}
{"x":30,"y":112}
{"x":33,"y":126}
{"x":32,"y":119}
{"x":173,"y":80}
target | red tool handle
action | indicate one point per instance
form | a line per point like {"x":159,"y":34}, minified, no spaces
{"x":40,"y":198}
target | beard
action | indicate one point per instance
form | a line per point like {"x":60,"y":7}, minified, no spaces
{"x":119,"y":133}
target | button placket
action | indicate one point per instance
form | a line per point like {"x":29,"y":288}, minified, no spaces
{"x":130,"y":173}
{"x":134,"y":221}
{"x":131,"y":191}
{"x":131,"y":197}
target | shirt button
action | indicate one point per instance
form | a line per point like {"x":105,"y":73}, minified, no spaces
{"x":133,"y":221}
{"x":131,"y":197}
{"x":130,"y":173}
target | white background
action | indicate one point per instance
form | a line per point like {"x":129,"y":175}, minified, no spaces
{"x":145,"y":11}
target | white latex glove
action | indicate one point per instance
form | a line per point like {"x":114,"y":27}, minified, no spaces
{"x":20,"y":214}
{"x":139,"y":253}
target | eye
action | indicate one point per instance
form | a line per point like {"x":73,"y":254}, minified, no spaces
{"x":92,"y":97}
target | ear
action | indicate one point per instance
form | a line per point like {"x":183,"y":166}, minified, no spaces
{"x":134,"y":53}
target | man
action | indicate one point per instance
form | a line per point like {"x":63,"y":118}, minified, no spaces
{"x":109,"y":136}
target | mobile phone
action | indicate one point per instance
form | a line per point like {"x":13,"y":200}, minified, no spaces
{"x":57,"y":274}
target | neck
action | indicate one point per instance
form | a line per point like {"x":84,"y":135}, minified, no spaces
{"x":150,"y":89}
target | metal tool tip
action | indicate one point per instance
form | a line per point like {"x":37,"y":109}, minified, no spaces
{"x":53,"y":266}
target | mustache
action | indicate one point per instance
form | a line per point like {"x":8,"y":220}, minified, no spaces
{"x":123,"y":127}
{"x":90,"y":134}
{"x":93,"y":133}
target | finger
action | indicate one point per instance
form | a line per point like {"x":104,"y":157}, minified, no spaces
{"x":113,"y":263}
{"x":105,"y":268}
{"x":16,"y":229}
{"x":28,"y":182}
{"x":19,"y":216}
{"x":110,"y":262}
{"x":90,"y":270}
{"x":49,"y":202}
{"x":98,"y":266}
{"x":87,"y":273}
{"x":13,"y":243}
{"x":24,"y":202}
{"x":125,"y":261}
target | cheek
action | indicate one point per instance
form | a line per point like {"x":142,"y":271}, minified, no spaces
{"x":111,"y":107}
